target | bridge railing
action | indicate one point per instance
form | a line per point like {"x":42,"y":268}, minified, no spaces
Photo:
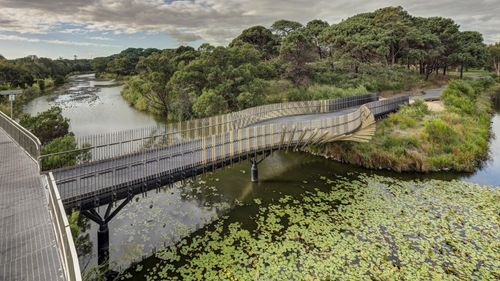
{"x":112,"y":175}
{"x":29,"y":142}
{"x":224,"y":122}
{"x":104,"y":146}
{"x":66,"y":245}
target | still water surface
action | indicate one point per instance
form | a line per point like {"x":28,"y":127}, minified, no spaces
{"x":93,"y":106}
{"x":162,"y":217}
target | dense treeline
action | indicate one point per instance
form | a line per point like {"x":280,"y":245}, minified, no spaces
{"x":36,"y":76}
{"x":24,"y":72}
{"x":387,"y":49}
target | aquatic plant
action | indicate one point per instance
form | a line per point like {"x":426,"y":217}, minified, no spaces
{"x":370,"y":228}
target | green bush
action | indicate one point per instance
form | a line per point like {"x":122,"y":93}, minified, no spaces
{"x":463,"y":87}
{"x":439,"y":132}
{"x":246,"y":100}
{"x":47,"y":125}
{"x":209,"y":103}
{"x":66,"y":144}
{"x":323,"y":92}
{"x":373,"y":77}
{"x":459,"y":97}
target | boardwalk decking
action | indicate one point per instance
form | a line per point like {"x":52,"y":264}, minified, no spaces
{"x":27,"y":241}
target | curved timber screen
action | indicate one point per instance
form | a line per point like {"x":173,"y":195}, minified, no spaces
{"x":104,"y":146}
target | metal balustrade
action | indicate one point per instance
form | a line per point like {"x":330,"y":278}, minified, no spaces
{"x":105,"y":146}
{"x":67,"y":250}
{"x":31,"y":145}
{"x":24,"y":138}
{"x":192,"y":156}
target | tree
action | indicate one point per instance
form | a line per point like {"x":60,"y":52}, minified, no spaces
{"x":71,"y":157}
{"x":156,"y":92}
{"x":356,"y":41}
{"x":47,"y":125}
{"x":14,"y":76}
{"x":394,"y":24}
{"x":284,"y":27}
{"x":315,"y":28}
{"x":446,"y":30}
{"x":471,"y":51}
{"x":209,"y":103}
{"x":260,"y":38}
{"x":494,"y":54}
{"x":205,"y":48}
{"x":100,"y":64}
{"x":298,"y":49}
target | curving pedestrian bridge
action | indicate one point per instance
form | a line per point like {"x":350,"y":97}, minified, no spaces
{"x":115,"y":165}
{"x":105,"y":168}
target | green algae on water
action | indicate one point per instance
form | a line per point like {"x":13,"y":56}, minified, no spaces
{"x":371,"y":228}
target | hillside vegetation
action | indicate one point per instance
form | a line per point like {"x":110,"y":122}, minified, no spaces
{"x":387,"y":49}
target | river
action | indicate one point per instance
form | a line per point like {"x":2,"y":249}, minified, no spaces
{"x":93,"y":106}
{"x":165,"y":216}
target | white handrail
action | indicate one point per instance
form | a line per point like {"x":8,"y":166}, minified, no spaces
{"x":66,"y":245}
{"x":24,"y":138}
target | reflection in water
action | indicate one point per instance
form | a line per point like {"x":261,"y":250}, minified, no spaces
{"x":489,"y":173}
{"x":160,"y":218}
{"x":92,"y":107}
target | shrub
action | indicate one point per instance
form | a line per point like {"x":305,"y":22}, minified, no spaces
{"x":47,"y":125}
{"x":209,"y":103}
{"x":246,"y":100}
{"x":65,"y":143}
{"x":439,"y":132}
{"x":459,"y":97}
{"x":323,"y":92}
{"x":462,"y":87}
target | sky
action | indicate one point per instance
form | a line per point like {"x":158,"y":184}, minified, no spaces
{"x":93,"y":28}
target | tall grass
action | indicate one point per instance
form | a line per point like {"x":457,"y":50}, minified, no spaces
{"x":416,"y":139}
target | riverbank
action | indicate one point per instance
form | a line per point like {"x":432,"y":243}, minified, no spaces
{"x":153,"y":96}
{"x":43,"y":87}
{"x":29,"y":94}
{"x":454,"y":138}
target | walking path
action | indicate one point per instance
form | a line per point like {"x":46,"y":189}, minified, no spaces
{"x":28,"y":248}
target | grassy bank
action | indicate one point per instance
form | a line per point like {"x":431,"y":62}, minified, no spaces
{"x":418,"y":139}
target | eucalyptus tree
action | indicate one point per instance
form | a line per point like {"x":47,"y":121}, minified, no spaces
{"x":494,"y":56}
{"x":260,"y":38}
{"x":356,"y":41}
{"x":396,"y":26}
{"x":448,"y":34}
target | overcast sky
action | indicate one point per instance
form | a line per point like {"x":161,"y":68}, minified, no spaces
{"x":90,"y":28}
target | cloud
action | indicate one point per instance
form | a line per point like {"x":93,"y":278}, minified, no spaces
{"x":100,"y":38}
{"x":58,"y":42}
{"x":217,"y":21}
